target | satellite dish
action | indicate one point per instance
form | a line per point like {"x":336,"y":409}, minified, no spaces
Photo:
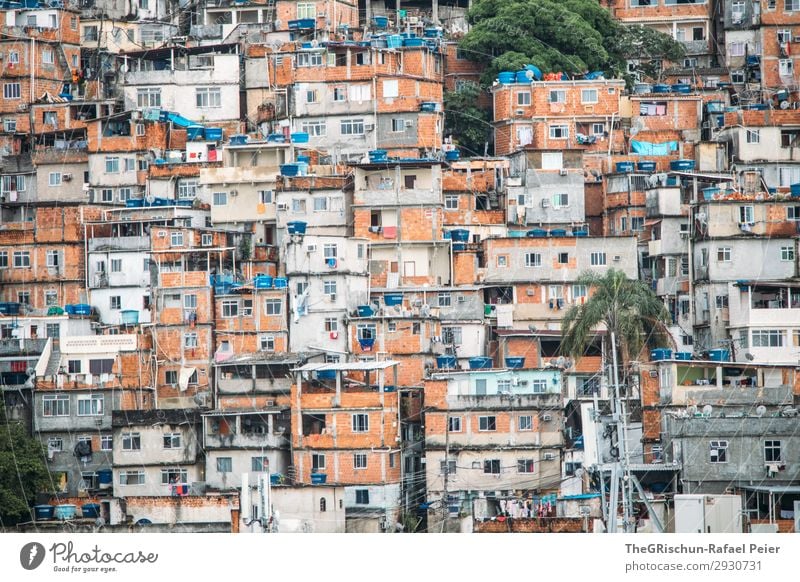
{"x":701,"y":216}
{"x":529,"y":75}
{"x":761,"y":410}
{"x":692,"y":409}
{"x":707,"y":410}
{"x":150,"y":198}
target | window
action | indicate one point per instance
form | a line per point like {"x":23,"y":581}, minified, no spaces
{"x":331,"y":324}
{"x":107,"y":195}
{"x":785,"y":68}
{"x":3,"y":259}
{"x":172,"y":440}
{"x":451,"y":201}
{"x":360,"y":93}
{"x":131,"y":441}
{"x":533,"y":260}
{"x":267,"y":343}
{"x":312,"y":96}
{"x":272,"y":307}
{"x":13,"y":57}
{"x":772,"y":451}
{"x":112,"y":165}
{"x":525,"y":422}
{"x":718,"y":451}
{"x":131,"y":477}
{"x":317,"y":462}
{"x":53,"y":258}
{"x":11,"y":91}
{"x":90,"y":405}
{"x":560,"y":200}
{"x":398,"y":125}
{"x":115,"y":302}
{"x":746,"y":214}
{"x":787,"y":253}
{"x":360,"y":423}
{"x":190,"y":340}
{"x":47,"y":57}
{"x":502,"y":260}
{"x":737,"y":77}
{"x":447,"y":467}
{"x":451,"y":335}
{"x":487,"y":423}
{"x":55,"y":405}
{"x":171,"y":377}
{"x":579,"y":292}
{"x":444,"y":300}
{"x":351,"y":127}
{"x":224,"y":464}
{"x":525,"y":466}
{"x":491,"y":466}
{"x":563,"y":258}
{"x":597,"y":259}
{"x":187,"y":189}
{"x":330,"y":251}
{"x":22,"y":259}
{"x":559,"y":132}
{"x":524,"y":98}
{"x":391,"y":88}
{"x":55,"y":444}
{"x":454,"y":424}
{"x":362,"y":496}
{"x":637,"y":223}
{"x":311,"y":59}
{"x":314,"y":128}
{"x":174,"y":475}
{"x":340,"y":93}
{"x":73,"y":366}
{"x":148,"y":97}
{"x":230,"y":308}
{"x":320,"y":204}
{"x":791,"y":5}
{"x":588,"y":96}
{"x":54,"y":179}
{"x":220,"y":198}
{"x":360,"y":461}
{"x":767,"y":338}
{"x":558,"y":96}
{"x":50,"y":299}
{"x":259,"y":464}
{"x":125,"y":194}
{"x":723,"y":254}
{"x":206,"y":97}
{"x":53,"y":330}
{"x":570,"y":467}
{"x":721,"y":301}
{"x":538,"y":386}
{"x":753,"y":136}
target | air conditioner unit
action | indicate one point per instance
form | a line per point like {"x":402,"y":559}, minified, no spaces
{"x":234,"y":192}
{"x":545,"y":203}
{"x":519,"y":112}
{"x":66,"y":177}
{"x":529,"y":292}
{"x":617,"y":258}
{"x":562,"y":172}
{"x":162,"y":234}
{"x":369,"y":126}
{"x":547,"y":417}
{"x":311,"y":248}
{"x":283,"y":207}
{"x":461,"y":299}
{"x":409,"y":123}
{"x":549,"y":457}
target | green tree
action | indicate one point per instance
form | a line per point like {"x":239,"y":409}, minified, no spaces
{"x":573,"y":36}
{"x":23,"y":471}
{"x":465,"y":121}
{"x":624,"y":306}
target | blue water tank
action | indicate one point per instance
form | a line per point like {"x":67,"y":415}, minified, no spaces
{"x":481,"y":363}
{"x":515,"y":362}
{"x":506,"y":77}
{"x":719,"y":355}
{"x":660,"y":354}
{"x":681,"y":165}
{"x":646,"y":166}
{"x":446,"y":362}
{"x":624,"y":167}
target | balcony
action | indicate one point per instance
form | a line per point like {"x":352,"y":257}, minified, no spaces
{"x":695,"y":47}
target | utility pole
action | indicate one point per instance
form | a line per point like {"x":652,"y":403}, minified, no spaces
{"x":446,"y":471}
{"x":621,"y":470}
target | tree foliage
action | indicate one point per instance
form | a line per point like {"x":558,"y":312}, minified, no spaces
{"x":624,"y":306}
{"x":23,"y":471}
{"x":573,"y":36}
{"x":465,"y":120}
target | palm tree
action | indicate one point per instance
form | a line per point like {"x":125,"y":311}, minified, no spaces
{"x":627,"y":308}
